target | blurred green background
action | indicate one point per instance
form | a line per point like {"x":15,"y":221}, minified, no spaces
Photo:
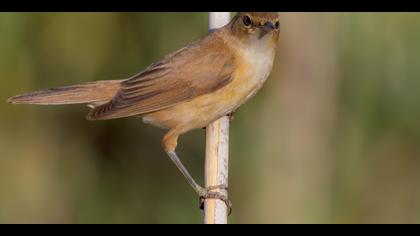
{"x":333,"y":136}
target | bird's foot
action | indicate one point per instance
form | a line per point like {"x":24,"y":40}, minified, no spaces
{"x":231,"y":118}
{"x":212,"y":193}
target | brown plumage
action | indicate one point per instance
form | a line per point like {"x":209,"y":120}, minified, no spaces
{"x":187,"y":89}
{"x":91,"y":93}
{"x":177,"y":78}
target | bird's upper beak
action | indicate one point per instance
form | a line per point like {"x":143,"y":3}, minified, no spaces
{"x":266,"y":28}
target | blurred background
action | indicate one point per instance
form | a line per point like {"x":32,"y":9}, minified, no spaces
{"x":333,"y":136}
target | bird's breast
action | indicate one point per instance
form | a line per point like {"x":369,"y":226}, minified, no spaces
{"x":252,"y":67}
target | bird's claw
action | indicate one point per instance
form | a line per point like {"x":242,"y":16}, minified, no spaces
{"x":212,"y":193}
{"x":230,"y":116}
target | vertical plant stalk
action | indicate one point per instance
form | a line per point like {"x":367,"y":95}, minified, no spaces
{"x":217,"y":150}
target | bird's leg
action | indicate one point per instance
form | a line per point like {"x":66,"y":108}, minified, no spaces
{"x":169,"y":143}
{"x":197,"y":188}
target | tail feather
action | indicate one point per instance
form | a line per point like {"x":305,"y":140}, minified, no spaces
{"x":92,"y":93}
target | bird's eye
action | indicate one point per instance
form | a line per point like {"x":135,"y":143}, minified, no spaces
{"x":247,"y":21}
{"x":277,"y":25}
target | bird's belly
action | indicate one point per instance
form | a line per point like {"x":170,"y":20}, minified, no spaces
{"x":202,"y":110}
{"x":196,"y":113}
{"x":251,"y":72}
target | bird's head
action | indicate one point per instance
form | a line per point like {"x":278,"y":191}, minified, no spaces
{"x":255,"y":26}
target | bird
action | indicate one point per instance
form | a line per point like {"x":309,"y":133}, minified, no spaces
{"x":185,"y":90}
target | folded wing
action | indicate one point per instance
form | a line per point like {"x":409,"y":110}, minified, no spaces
{"x":200,"y":68}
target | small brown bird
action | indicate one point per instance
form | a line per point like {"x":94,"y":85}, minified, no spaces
{"x":187,"y":89}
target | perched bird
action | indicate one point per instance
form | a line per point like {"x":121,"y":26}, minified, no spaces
{"x":187,"y":89}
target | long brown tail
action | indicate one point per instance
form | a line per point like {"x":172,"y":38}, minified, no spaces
{"x":94,"y":92}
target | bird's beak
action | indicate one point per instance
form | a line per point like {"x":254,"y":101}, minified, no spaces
{"x":266,"y":28}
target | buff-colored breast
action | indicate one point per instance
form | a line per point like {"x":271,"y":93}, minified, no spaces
{"x":252,"y":67}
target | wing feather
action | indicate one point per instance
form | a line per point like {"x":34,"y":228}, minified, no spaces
{"x":202,"y":67}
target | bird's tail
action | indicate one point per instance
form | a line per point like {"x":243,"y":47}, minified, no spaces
{"x":92,"y":93}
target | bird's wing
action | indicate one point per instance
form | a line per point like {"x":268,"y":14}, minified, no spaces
{"x":200,"y":68}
